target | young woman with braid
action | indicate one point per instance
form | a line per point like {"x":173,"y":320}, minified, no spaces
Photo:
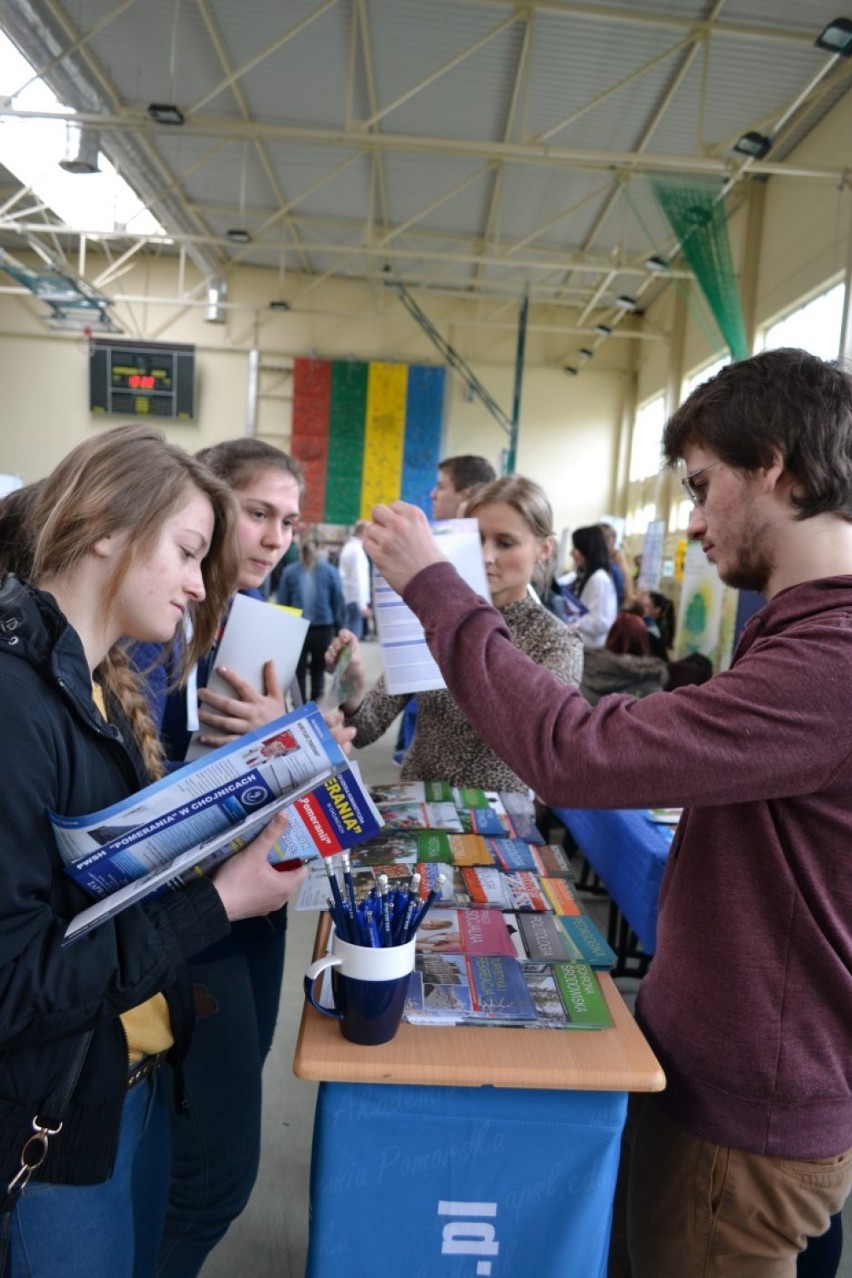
{"x":237,"y":982}
{"x":133,"y":535}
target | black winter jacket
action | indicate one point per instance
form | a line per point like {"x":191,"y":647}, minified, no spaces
{"x":59,"y":754}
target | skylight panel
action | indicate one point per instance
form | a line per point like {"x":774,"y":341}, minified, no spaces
{"x":32,"y":150}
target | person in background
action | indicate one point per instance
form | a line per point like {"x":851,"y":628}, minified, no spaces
{"x":624,"y":664}
{"x":354,"y":567}
{"x":515,"y":527}
{"x":128,"y":535}
{"x":748,"y":1002}
{"x":17,"y":534}
{"x":237,"y":982}
{"x":591,"y":582}
{"x":662,"y":612}
{"x":313,"y":585}
{"x":457,"y":478}
{"x":618,"y":566}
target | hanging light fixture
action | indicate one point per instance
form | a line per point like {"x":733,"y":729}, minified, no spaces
{"x":166,"y":113}
{"x":837,"y":38}
{"x":753,"y":144}
{"x":656,"y":265}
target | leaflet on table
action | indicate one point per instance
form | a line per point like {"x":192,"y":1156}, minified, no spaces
{"x":458,"y":989}
{"x":409,"y":666}
{"x":515,"y":854}
{"x":464,"y":932}
{"x":412,"y":792}
{"x":565,"y":996}
{"x":548,"y":938}
{"x":517,"y":890}
{"x":403,"y":815}
{"x":467,"y":989}
{"x":408,"y":847}
{"x":255,"y":632}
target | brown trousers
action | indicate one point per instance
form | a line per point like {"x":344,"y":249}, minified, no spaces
{"x":685,"y":1208}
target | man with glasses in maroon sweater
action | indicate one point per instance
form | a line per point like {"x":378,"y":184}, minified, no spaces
{"x":748,"y":1001}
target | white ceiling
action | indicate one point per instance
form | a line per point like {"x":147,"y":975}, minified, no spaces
{"x":466,"y":147}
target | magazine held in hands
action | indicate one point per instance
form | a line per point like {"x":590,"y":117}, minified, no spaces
{"x":192,"y":819}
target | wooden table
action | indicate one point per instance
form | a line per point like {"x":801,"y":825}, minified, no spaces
{"x":617,"y":1059}
{"x":517,"y":1175}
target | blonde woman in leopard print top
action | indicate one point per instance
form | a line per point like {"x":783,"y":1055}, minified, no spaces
{"x":515,"y":523}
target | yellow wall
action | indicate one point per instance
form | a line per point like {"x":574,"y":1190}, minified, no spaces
{"x":569,"y":425}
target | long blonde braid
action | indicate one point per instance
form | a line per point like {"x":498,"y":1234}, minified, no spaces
{"x":119,"y":681}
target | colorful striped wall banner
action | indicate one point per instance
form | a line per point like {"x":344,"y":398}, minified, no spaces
{"x":365,"y":433}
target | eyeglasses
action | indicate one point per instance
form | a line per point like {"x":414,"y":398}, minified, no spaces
{"x":693,"y":490}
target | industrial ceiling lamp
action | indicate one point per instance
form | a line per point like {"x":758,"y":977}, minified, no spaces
{"x":755,"y":145}
{"x":587,"y":351}
{"x":166,"y":113}
{"x":656,"y":265}
{"x":238,"y":235}
{"x":604,"y":330}
{"x":837,"y":38}
{"x":626,"y":302}
{"x":569,"y":368}
{"x":82,"y":147}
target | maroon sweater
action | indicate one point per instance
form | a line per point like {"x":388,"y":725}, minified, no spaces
{"x":748,"y":1002}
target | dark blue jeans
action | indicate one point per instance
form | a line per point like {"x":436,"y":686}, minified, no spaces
{"x":84,"y":1231}
{"x":216,"y":1144}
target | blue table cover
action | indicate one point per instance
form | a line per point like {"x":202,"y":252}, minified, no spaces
{"x":629,"y":853}
{"x":462,"y":1182}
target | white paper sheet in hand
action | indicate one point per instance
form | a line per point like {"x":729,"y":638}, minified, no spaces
{"x":409,"y":666}
{"x":255,"y":632}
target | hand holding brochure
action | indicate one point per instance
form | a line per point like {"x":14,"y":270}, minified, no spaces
{"x":254,"y":632}
{"x":211,"y":808}
{"x":409,"y":665}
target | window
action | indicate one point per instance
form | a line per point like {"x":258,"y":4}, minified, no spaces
{"x":681,"y":515}
{"x":638,"y":520}
{"x":814,"y":327}
{"x":704,"y":374}
{"x":32,"y":149}
{"x":647,"y":437}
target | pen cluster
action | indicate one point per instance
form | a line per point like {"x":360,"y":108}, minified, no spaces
{"x":386,"y":917}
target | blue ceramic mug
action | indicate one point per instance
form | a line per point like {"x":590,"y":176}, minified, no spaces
{"x":368,"y":985}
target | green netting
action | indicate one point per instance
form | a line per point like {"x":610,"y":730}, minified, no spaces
{"x":696,"y":214}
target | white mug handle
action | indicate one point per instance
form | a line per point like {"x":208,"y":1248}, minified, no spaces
{"x":316,"y":969}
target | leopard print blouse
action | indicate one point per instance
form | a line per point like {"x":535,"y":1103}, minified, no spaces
{"x":445,"y":746}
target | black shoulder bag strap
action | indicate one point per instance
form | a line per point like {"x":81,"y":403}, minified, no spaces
{"x":46,"y":1123}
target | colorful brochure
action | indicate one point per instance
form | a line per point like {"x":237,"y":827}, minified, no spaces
{"x":198,"y":816}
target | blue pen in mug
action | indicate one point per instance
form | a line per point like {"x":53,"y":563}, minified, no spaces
{"x":369,"y":985}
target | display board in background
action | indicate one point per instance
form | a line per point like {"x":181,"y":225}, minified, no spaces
{"x":365,"y":433}
{"x":142,"y":379}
